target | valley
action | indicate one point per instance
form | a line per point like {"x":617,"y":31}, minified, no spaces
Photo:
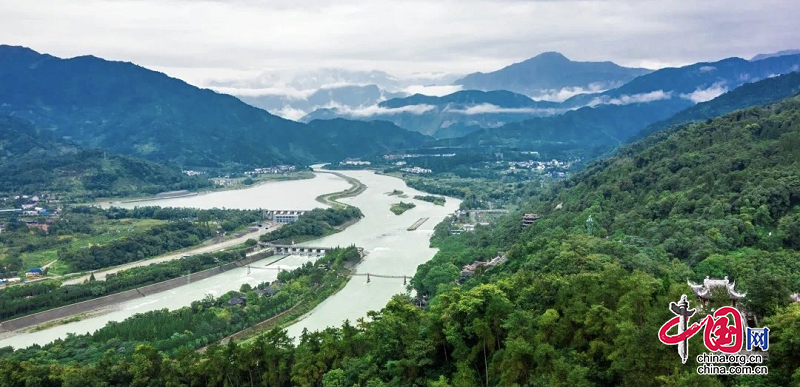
{"x":370,"y":194}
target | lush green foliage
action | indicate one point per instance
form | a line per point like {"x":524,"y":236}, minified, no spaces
{"x":131,"y":110}
{"x":175,"y":332}
{"x":35,"y":162}
{"x":35,"y":297}
{"x":399,"y":208}
{"x":750,"y":94}
{"x":315,"y":223}
{"x":571,"y":306}
{"x":438,"y":200}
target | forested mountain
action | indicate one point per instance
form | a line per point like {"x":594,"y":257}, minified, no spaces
{"x":465,"y":98}
{"x":551,"y":71}
{"x":658,"y":95}
{"x":130,"y":110}
{"x":575,"y":303}
{"x":35,"y":161}
{"x":586,"y":131}
{"x":589,"y":131}
{"x":697,"y":82}
{"x":750,"y":94}
{"x":452,"y":115}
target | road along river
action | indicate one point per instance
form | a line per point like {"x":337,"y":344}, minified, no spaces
{"x":391,"y":250}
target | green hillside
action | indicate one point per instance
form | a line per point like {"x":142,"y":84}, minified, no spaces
{"x":35,"y":162}
{"x":131,"y":110}
{"x":573,"y":305}
{"x":750,"y":94}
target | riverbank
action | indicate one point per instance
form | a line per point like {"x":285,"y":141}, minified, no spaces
{"x":207,"y":246}
{"x":331,"y":199}
{"x":65,"y":312}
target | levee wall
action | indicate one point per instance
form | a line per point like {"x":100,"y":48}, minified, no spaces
{"x":97,"y":303}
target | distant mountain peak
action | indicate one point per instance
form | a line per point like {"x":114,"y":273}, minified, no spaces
{"x":774,"y":54}
{"x":550,"y":55}
{"x":550,"y":71}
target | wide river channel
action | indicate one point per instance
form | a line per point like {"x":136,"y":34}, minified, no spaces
{"x":391,"y":250}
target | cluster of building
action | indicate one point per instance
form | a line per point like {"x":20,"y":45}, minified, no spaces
{"x":272,"y":170}
{"x":283,"y":216}
{"x":416,"y":170}
{"x":469,"y":270}
{"x":223,"y":181}
{"x":269,"y":291}
{"x":193,"y":173}
{"x":30,"y":211}
{"x":540,"y":166}
{"x":414,"y":155}
{"x":466,"y":220}
{"x":354,"y":162}
{"x":30,"y":274}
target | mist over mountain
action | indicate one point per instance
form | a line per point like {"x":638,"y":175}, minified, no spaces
{"x":292,"y":95}
{"x":448,"y":116}
{"x":131,"y":110}
{"x":552,"y":76}
{"x":698,"y":82}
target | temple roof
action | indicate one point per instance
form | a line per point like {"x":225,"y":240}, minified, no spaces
{"x":705,"y":289}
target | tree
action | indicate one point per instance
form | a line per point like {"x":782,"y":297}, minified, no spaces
{"x":334,"y":378}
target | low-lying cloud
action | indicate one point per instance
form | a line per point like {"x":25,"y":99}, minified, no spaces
{"x":707,"y":94}
{"x":487,"y":108}
{"x":290,"y":113}
{"x":375,"y":110}
{"x":626,"y":99}
{"x":561,"y":95}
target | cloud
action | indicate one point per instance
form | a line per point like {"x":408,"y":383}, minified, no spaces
{"x":569,"y":92}
{"x":632,"y":98}
{"x":486,"y":108}
{"x":706,"y":69}
{"x":402,"y":38}
{"x":375,"y":110}
{"x":707,"y":94}
{"x":290,"y":113}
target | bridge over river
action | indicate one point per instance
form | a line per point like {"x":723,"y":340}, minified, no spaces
{"x":304,"y":250}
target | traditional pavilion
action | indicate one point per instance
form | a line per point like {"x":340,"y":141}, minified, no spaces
{"x":711,"y":288}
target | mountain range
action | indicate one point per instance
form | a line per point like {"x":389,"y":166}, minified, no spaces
{"x":131,"y":110}
{"x":549,"y":72}
{"x":658,"y":95}
{"x":35,"y":160}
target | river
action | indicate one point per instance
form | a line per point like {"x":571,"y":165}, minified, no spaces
{"x":391,"y":250}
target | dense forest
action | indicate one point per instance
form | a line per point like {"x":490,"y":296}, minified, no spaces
{"x":577,"y":303}
{"x":313,"y":224}
{"x":17,"y":301}
{"x":36,"y":161}
{"x":184,"y":330}
{"x":163,"y":119}
{"x":573,"y":305}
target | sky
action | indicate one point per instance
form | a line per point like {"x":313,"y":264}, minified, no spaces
{"x":207,"y":41}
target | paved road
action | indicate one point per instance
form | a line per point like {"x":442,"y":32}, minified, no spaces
{"x":205,"y":248}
